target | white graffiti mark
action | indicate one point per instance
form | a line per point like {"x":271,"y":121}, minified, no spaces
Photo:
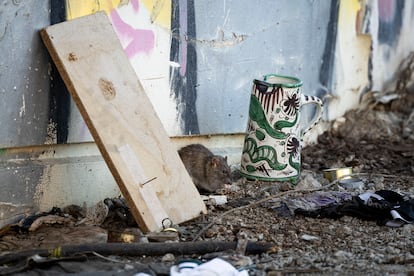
{"x":23,"y":107}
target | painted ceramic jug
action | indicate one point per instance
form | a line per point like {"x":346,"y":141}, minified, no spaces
{"x":272,"y":144}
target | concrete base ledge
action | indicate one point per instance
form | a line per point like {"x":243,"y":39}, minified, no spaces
{"x":40,"y":177}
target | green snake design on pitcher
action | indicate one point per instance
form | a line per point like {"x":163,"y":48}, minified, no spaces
{"x":282,"y":124}
{"x":257,"y":114}
{"x":266,"y":153}
{"x":263,"y":153}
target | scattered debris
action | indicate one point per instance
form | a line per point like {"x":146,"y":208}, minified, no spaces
{"x":214,"y":200}
{"x":126,"y":235}
{"x":337,"y":173}
{"x":49,"y":219}
{"x":352,"y":184}
{"x":12,"y":213}
{"x":162,"y":236}
{"x":371,"y":141}
{"x":216,"y":266}
{"x":384,"y":206}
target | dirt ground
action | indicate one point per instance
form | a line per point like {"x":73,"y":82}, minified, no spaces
{"x":258,"y":224}
{"x":256,"y":212}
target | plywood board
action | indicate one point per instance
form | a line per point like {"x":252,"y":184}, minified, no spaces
{"x":122,"y":121}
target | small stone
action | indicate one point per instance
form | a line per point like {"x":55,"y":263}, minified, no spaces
{"x":347,"y":230}
{"x":128,"y":267}
{"x":408,"y":229}
{"x":393,"y":250}
{"x":217,"y":199}
{"x":343,"y":255}
{"x":168,"y":258}
{"x":307,"y":237}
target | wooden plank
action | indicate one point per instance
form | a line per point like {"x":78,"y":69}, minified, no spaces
{"x":122,"y":121}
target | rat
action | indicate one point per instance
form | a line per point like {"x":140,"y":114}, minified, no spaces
{"x":209,"y":172}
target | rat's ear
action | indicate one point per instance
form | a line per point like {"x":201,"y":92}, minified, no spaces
{"x":225,"y":158}
{"x":215,"y":161}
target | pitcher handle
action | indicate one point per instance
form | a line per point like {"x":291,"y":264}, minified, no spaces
{"x":306,"y":99}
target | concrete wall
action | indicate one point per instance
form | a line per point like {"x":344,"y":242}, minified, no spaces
{"x":374,"y":37}
{"x":390,"y":24}
{"x":197,"y":67}
{"x":196,"y":60}
{"x":24,"y":78}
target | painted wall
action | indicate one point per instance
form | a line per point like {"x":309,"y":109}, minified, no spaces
{"x":144,"y":32}
{"x":390,"y":24}
{"x":243,"y":40}
{"x":197,"y":67}
{"x":374,"y":38}
{"x":351,"y":58}
{"x":24,"y":74}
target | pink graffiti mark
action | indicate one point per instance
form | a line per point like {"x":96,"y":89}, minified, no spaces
{"x":140,"y":40}
{"x":386,"y":9}
{"x":135,"y":5}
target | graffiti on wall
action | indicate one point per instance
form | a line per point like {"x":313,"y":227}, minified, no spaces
{"x":184,"y":56}
{"x":135,"y":40}
{"x":349,"y":76}
{"x":390,"y":20}
{"x":197,"y":67}
{"x":198,"y":80}
{"x":389,"y":23}
{"x":153,"y":35}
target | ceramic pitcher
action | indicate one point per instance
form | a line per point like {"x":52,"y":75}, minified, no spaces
{"x":272,"y":144}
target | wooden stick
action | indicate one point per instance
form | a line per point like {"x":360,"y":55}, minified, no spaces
{"x":138,"y":249}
